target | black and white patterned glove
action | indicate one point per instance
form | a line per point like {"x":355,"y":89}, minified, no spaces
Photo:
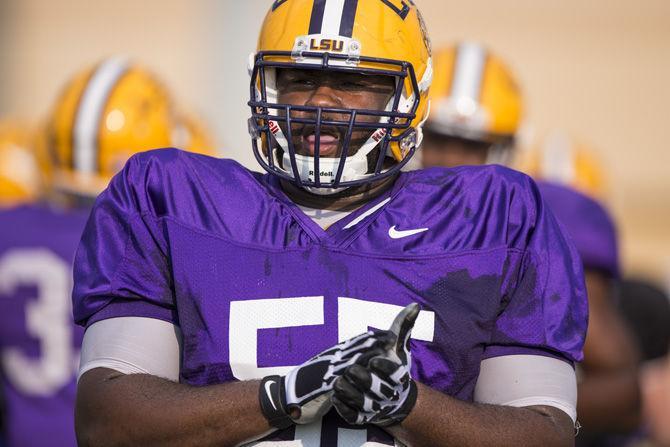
{"x":382,"y":391}
{"x":303,"y":395}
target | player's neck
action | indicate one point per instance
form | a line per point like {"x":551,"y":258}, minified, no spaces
{"x":347,"y":200}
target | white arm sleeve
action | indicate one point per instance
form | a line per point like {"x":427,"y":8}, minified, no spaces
{"x":132,"y":345}
{"x":525,"y":380}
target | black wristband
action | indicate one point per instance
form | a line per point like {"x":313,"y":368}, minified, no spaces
{"x":269,"y":396}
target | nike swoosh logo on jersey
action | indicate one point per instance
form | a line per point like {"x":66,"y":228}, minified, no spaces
{"x":398,"y":234}
{"x":268,"y":386}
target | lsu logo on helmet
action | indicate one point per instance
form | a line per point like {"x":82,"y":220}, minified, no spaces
{"x":334,"y":45}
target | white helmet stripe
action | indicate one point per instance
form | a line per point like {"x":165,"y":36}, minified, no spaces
{"x":558,"y":159}
{"x":89,"y":113}
{"x":332,"y":17}
{"x":468,"y":71}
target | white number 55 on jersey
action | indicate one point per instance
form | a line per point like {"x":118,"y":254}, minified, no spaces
{"x":353,"y":317}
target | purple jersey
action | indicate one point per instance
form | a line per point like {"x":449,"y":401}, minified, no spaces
{"x":39,"y":341}
{"x":257,"y":287}
{"x":588,"y":224}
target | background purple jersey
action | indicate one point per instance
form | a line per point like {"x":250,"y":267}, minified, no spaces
{"x":39,"y":341}
{"x":588,"y":224}
{"x":258,"y":287}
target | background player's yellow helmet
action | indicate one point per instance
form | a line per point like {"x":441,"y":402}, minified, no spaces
{"x":191,"y":134}
{"x":474,"y":95}
{"x":106,"y":114}
{"x":386,"y":37}
{"x":561,"y":159}
{"x":20,"y":178}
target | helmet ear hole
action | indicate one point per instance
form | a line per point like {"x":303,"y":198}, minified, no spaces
{"x":373,"y":159}
{"x":280,"y":157}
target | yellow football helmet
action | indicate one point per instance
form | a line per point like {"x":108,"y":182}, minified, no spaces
{"x":371,"y":37}
{"x":20,"y":179}
{"x":105,"y":114}
{"x":563,"y":160}
{"x":474,"y":96}
{"x":190,"y":134}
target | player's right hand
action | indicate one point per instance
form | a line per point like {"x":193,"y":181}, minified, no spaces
{"x":303,"y":395}
{"x":381,"y":392}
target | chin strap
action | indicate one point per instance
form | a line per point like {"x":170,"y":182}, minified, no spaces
{"x":355,"y":166}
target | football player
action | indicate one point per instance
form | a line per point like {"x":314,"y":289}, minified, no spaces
{"x":646,"y":307}
{"x":608,"y":385}
{"x":475,"y":114}
{"x":223,"y":306}
{"x":20,"y":183}
{"x":191,"y":133}
{"x":562,"y":159}
{"x":656,"y":391}
{"x":476,"y":109}
{"x":105,"y":114}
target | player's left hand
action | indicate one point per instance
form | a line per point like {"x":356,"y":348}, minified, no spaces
{"x":383,"y":392}
{"x":303,"y":394}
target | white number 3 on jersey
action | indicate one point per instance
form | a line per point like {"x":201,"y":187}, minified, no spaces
{"x":48,"y":319}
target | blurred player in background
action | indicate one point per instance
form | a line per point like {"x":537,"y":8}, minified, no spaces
{"x":560,"y":158}
{"x":608,"y":387}
{"x":609,"y":393}
{"x":643,"y":309}
{"x":223,"y":306}
{"x":656,"y":398}
{"x":474,"y":118}
{"x":191,"y":134}
{"x":103,"y":116}
{"x":20,"y":184}
{"x":646,"y":307}
{"x":476,"y":109}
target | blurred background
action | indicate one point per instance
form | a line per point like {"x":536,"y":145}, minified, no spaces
{"x":598,"y":70}
{"x":595,"y":71}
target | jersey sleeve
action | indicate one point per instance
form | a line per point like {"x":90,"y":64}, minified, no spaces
{"x":121,"y":267}
{"x":526,"y":380}
{"x":544,"y":311}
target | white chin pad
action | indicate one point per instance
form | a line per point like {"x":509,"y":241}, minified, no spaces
{"x":327,"y":170}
